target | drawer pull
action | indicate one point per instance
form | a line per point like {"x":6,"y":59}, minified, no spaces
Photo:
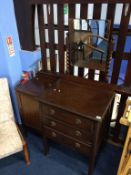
{"x":52,"y":111}
{"x":78,"y":133}
{"x":77,"y":145}
{"x":78,"y":121}
{"x":53,"y":134}
{"x":53,"y":123}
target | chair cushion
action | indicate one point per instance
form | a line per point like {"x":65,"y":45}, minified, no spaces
{"x":10,"y":141}
{"x":6,"y":110}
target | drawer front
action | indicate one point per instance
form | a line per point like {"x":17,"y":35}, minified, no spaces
{"x":68,"y":117}
{"x":76,"y":133}
{"x":63,"y":139}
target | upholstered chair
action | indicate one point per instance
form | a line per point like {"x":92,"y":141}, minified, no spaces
{"x":11,"y":139}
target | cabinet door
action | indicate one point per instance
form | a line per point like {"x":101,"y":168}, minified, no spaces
{"x":29,"y":111}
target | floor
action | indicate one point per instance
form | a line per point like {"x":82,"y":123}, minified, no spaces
{"x":59,"y":161}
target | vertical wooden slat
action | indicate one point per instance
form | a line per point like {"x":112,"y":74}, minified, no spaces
{"x":25,"y":23}
{"x":42,"y":36}
{"x":102,"y":76}
{"x":71,"y":15}
{"x":51,"y":36}
{"x":71,"y":10}
{"x":121,"y":44}
{"x":83,"y":15}
{"x":97,"y":11}
{"x":61,"y":37}
{"x":96,"y":15}
{"x":128,"y":72}
{"x":111,"y":15}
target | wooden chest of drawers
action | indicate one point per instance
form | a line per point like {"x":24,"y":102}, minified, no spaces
{"x":67,"y":128}
{"x":77,"y":116}
{"x":71,"y":111}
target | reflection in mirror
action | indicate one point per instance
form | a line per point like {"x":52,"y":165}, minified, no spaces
{"x":88,"y":40}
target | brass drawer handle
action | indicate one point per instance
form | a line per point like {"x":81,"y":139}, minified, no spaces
{"x":78,"y":133}
{"x":78,"y":121}
{"x":53,"y":123}
{"x":77,"y":145}
{"x":52,"y":111}
{"x":53,"y":134}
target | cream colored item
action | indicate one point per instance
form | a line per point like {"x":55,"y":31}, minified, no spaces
{"x":6,"y":111}
{"x":11,"y":140}
{"x":125,"y":162}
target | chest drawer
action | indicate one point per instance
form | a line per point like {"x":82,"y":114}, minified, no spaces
{"x":68,"y":117}
{"x":82,"y":135}
{"x":66,"y":140}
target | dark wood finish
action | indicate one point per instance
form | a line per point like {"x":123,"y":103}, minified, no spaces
{"x":73,"y":132}
{"x":71,"y":15}
{"x":30,"y":112}
{"x":61,"y":37}
{"x":94,"y":148}
{"x":68,"y":121}
{"x":26,"y":8}
{"x":68,"y":117}
{"x":67,"y":140}
{"x":28,"y":104}
{"x":26,"y":29}
{"x":102,"y":76}
{"x":42,"y":36}
{"x":83,"y":57}
{"x":24,"y":143}
{"x":114,"y":30}
{"x":83,"y":15}
{"x":97,"y":11}
{"x":128,"y":72}
{"x":97,"y":15}
{"x":111,"y":15}
{"x":79,"y":124}
{"x":126,"y":55}
{"x":25,"y":22}
{"x":77,"y":1}
{"x":26,"y":154}
{"x":50,"y":13}
{"x":121,"y":43}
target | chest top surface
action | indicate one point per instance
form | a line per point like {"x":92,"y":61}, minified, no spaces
{"x":88,"y":100}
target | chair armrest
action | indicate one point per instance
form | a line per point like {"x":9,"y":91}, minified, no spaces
{"x":95,"y":48}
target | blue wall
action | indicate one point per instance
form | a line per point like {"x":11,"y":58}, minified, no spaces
{"x":3,"y":61}
{"x":12,"y":67}
{"x":29,"y":59}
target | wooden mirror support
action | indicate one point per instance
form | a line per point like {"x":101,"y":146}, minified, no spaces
{"x":89,"y":44}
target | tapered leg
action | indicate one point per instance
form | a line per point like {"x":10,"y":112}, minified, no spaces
{"x":26,"y":154}
{"x":46,"y":146}
{"x":91,"y":165}
{"x":94,"y":148}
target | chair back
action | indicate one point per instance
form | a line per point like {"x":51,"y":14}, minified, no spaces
{"x":6,"y":110}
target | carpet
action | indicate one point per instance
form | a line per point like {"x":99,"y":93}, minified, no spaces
{"x":59,"y":161}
